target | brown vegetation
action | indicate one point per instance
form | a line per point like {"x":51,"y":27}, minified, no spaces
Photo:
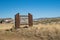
{"x":37,"y":32}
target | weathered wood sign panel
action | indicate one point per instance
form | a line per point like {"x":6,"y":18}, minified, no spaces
{"x":24,"y":18}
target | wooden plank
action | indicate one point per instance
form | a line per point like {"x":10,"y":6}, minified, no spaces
{"x":30,"y":19}
{"x":17,"y":21}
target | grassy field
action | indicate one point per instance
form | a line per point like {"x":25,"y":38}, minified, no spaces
{"x":37,"y":32}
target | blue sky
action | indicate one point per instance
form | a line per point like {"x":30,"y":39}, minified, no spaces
{"x":38,"y":8}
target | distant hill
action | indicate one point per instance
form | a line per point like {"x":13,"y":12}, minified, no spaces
{"x":48,"y":20}
{"x":24,"y":20}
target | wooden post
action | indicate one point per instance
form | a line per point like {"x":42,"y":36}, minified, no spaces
{"x":30,"y":19}
{"x":17,"y":21}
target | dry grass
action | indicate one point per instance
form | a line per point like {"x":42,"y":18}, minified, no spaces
{"x":6,"y":26}
{"x":37,"y":32}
